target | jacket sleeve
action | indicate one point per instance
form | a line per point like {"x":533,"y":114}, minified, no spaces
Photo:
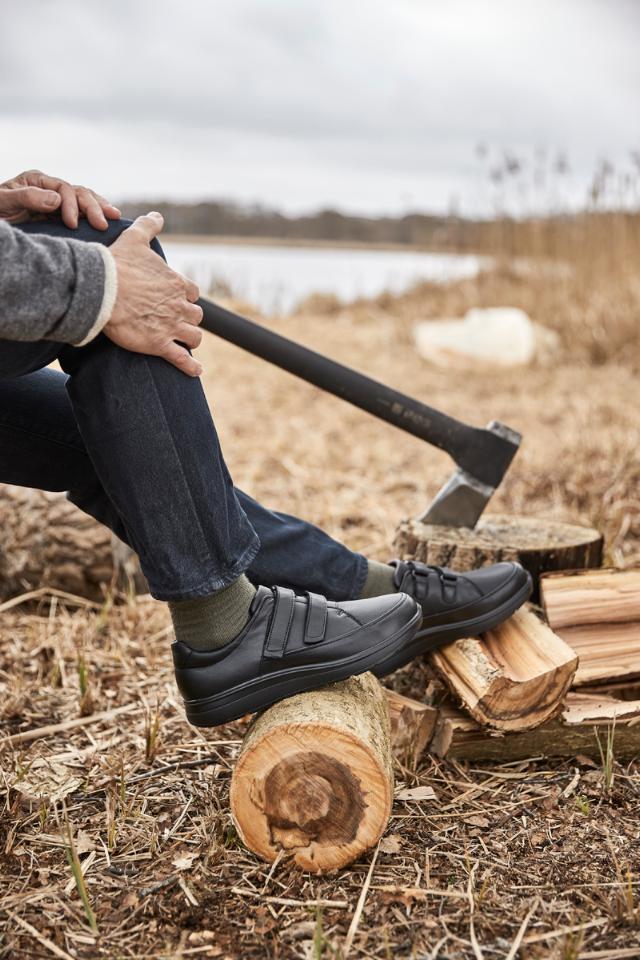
{"x":53,"y":289}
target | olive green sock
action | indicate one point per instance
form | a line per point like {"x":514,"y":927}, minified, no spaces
{"x":207,"y":623}
{"x":379,"y":580}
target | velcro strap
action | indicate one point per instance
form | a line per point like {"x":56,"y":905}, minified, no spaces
{"x":316,"y":618}
{"x":278,"y":634}
{"x":421,"y":592}
{"x":449,"y":587}
{"x":415,"y":582}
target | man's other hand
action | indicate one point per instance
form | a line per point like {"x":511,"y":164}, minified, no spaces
{"x":33,"y":195}
{"x":154,"y":306}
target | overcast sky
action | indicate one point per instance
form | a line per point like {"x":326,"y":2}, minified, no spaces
{"x":369,"y":105}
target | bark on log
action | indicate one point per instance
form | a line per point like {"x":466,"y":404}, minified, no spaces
{"x":512,"y":678}
{"x":539,"y":545}
{"x":48,"y":541}
{"x":582,"y":728}
{"x":598,"y":614}
{"x":412,"y":726}
{"x":314,"y":776}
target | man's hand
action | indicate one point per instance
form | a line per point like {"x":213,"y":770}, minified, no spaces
{"x":34,"y":195}
{"x":154,"y":306}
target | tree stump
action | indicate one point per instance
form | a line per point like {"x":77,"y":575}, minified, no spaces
{"x":510,"y":678}
{"x":48,"y":541}
{"x":314,"y":776}
{"x":539,"y":545}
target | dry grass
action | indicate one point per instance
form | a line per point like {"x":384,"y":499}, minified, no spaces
{"x":529,"y":860}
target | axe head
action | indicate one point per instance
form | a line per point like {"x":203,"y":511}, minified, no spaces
{"x":462,"y":499}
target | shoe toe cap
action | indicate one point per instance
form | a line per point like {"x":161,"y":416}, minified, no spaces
{"x":507,"y":575}
{"x":396,"y":607}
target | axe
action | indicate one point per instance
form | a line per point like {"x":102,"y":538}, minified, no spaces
{"x":482,"y":457}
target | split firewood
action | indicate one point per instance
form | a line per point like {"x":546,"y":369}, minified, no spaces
{"x":539,"y":545}
{"x":598,"y":614}
{"x":583,"y":727}
{"x":49,"y":541}
{"x":314,"y":776}
{"x":511,"y":678}
{"x":412,"y":726}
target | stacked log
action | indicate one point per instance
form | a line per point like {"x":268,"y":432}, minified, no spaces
{"x":582,"y":728}
{"x":511,"y":678}
{"x":598,"y":614}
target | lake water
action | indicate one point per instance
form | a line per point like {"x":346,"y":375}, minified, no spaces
{"x":276,"y":278}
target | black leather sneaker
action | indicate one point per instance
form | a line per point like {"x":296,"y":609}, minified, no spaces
{"x":456,"y":605}
{"x":292,"y":644}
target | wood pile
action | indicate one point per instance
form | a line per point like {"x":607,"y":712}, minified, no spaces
{"x":598,"y":614}
{"x":315,"y":773}
{"x":314,"y":778}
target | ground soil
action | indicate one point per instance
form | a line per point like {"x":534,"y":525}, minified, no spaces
{"x":535,"y":859}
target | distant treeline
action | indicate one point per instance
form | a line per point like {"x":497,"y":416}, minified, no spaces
{"x":553,"y":236}
{"x":229,"y":219}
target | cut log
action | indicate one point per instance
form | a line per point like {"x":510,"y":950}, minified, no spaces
{"x":598,"y":614}
{"x":46,"y":540}
{"x":412,"y":726}
{"x":581,"y":728}
{"x":314,"y":776}
{"x":512,"y":678}
{"x":539,"y":545}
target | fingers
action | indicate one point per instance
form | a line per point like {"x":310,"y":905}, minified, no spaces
{"x":195,"y":314}
{"x":147,"y":227}
{"x":34,"y":199}
{"x":75,"y":200}
{"x":192,"y":312}
{"x":182,"y":359}
{"x":69,"y":209}
{"x":92,"y":208}
{"x":192,"y":293}
{"x":189,"y":335}
{"x":110,"y":211}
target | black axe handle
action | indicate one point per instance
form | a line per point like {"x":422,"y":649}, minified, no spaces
{"x":481,"y":453}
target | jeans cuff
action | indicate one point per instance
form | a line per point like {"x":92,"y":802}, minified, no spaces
{"x":215,"y":583}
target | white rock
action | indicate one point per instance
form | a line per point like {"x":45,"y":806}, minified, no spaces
{"x":499,"y":336}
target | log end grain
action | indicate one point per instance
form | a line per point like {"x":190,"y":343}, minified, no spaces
{"x":314,"y":777}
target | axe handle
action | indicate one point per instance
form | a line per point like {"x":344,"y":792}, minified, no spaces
{"x":468,"y":446}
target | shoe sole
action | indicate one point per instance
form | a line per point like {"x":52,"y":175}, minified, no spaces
{"x":393,"y":653}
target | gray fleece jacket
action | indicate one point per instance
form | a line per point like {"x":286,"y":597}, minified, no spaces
{"x":52,"y":289}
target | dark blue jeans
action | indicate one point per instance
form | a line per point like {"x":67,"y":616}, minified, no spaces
{"x":132,"y":441}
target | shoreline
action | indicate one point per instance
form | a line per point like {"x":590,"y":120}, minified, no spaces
{"x":232,"y":240}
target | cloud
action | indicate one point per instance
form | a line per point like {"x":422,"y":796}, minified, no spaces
{"x":339,"y":95}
